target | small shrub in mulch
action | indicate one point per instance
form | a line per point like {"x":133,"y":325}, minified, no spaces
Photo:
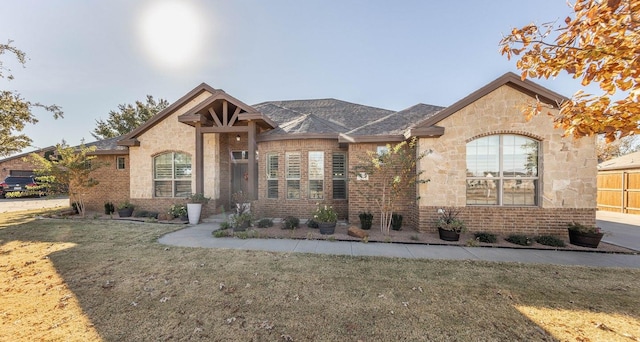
{"x":220,"y":233}
{"x":521,"y":240}
{"x":225,"y":225}
{"x":485,"y":237}
{"x":265,"y":223}
{"x":145,"y":213}
{"x":290,"y":222}
{"x":312,"y":223}
{"x":549,"y":240}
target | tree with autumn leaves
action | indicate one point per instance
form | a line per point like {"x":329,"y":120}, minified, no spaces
{"x":600,"y":44}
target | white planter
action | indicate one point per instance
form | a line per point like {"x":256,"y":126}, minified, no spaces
{"x":193,"y":210}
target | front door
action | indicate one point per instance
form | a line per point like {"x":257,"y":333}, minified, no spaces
{"x":239,"y":177}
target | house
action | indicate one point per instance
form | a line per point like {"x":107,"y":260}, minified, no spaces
{"x":619,"y":184}
{"x":510,"y":175}
{"x":19,"y":164}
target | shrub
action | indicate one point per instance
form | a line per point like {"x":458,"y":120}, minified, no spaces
{"x":325,"y":213}
{"x":290,"y":222}
{"x":220,"y":233}
{"x":265,"y":222}
{"x":109,"y":208}
{"x":145,"y":213}
{"x":448,"y":220}
{"x":549,"y":240}
{"x":485,"y":237}
{"x":242,"y":235}
{"x":521,"y":240}
{"x":177,"y":210}
{"x":225,"y":225}
{"x":396,"y":221}
{"x":312,"y":223}
{"x":366,"y":220}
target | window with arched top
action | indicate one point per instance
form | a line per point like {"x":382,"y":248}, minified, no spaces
{"x":503,"y":170}
{"x":172,"y":175}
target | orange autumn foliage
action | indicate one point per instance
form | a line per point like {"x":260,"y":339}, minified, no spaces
{"x":599,"y":45}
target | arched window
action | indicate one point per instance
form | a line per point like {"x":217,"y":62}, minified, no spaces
{"x":172,"y":175}
{"x":503,"y":170}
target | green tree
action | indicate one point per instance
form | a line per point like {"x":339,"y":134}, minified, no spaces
{"x":599,"y":45}
{"x":68,"y":169}
{"x":127,"y":118}
{"x":15,"y":111}
{"x":390,"y":174}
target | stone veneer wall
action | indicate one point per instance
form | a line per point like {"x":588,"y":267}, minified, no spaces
{"x":166,"y":136}
{"x":301,"y":208}
{"x":567,"y":171}
{"x":361,"y":197}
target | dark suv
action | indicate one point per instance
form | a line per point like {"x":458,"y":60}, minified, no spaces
{"x":17,"y":183}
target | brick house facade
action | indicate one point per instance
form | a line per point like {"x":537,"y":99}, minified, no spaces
{"x":509,"y":175}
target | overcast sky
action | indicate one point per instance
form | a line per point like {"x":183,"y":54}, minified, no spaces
{"x":89,"y":56}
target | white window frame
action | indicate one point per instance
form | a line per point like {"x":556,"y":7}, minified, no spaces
{"x":272,"y":174}
{"x":316,"y":174}
{"x":124,"y":165}
{"x":293,"y":176}
{"x":174,"y":179}
{"x":339,"y":177}
{"x":499,"y":179}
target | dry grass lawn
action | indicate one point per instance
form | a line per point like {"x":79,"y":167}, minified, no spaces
{"x":106,"y":280}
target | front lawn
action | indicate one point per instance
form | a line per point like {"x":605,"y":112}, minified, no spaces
{"x":111,"y":280}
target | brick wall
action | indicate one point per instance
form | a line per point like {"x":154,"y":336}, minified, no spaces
{"x":520,"y":220}
{"x":113,"y":184}
{"x":303,"y":207}
{"x":363,"y":197}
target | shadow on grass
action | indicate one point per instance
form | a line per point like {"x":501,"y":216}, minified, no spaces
{"x":132,"y":288}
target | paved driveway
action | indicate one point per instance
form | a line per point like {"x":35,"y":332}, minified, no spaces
{"x":620,"y":229}
{"x":18,"y":204}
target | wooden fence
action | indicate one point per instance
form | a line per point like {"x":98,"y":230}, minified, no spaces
{"x":619,"y":191}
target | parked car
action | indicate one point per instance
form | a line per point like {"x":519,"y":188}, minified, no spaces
{"x":17,"y":183}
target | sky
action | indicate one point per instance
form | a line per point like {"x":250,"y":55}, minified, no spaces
{"x":90,"y":56}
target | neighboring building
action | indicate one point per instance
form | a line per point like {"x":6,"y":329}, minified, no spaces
{"x":509,"y":174}
{"x":619,"y":184}
{"x":19,"y":165}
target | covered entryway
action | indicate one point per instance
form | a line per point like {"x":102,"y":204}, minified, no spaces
{"x":236,"y":125}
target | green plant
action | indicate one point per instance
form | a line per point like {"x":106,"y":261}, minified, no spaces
{"x":366,"y":220}
{"x":549,"y":240}
{"x":241,"y":235}
{"x":225,"y":225}
{"x":198,"y":198}
{"x":243,"y":220}
{"x":220,"y":233}
{"x":414,"y":238}
{"x":581,"y":228}
{"x":265,"y":222}
{"x":485,"y":237}
{"x":518,"y":239}
{"x":396,"y":221}
{"x":311,"y":223}
{"x":177,"y":210}
{"x":125,"y":205}
{"x":325,"y":214}
{"x":290,"y":222}
{"x":75,"y":206}
{"x":242,"y":202}
{"x":448,"y":220}
{"x":109,"y":208}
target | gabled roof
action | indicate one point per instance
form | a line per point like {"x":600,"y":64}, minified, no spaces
{"x":25,"y":154}
{"x":628,"y":161}
{"x":510,"y":79}
{"x":129,"y":138}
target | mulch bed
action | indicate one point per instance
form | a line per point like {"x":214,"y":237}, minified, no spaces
{"x":415,"y":237}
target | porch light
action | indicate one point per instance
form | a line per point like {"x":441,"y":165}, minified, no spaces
{"x":238,"y":137}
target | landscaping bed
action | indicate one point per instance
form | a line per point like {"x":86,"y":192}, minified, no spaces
{"x":409,"y":236}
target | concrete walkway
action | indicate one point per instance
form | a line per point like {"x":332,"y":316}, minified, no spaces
{"x":620,"y":229}
{"x":200,"y":236}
